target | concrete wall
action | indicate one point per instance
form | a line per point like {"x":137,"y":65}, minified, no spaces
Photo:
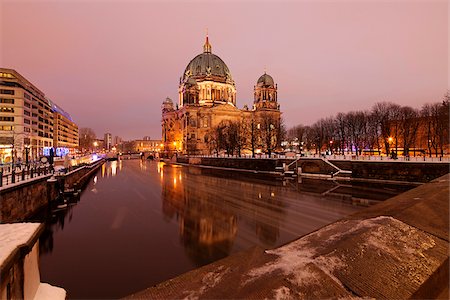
{"x":237,"y":163}
{"x":401,"y":171}
{"x":376,"y":170}
{"x":20,"y":201}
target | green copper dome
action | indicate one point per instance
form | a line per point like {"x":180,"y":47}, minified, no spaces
{"x":207,"y":66}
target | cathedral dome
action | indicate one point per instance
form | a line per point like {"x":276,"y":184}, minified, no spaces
{"x":265,"y":80}
{"x":207,"y":66}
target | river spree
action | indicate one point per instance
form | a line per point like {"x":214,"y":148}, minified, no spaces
{"x":139,"y":223}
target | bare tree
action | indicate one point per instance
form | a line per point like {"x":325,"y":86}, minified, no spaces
{"x":436,"y":118}
{"x":409,"y":124}
{"x":356,"y":122}
{"x":270,"y":132}
{"x":297,"y":133}
{"x":87,"y":137}
{"x":385,"y":112}
{"x":341,"y":131}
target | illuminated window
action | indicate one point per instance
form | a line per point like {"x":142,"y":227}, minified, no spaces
{"x":7,"y":109}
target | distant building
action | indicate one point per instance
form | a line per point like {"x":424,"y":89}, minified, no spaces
{"x":117,"y":140}
{"x":207,"y":98}
{"x":146,"y":138}
{"x":27,"y":120}
{"x":146,"y":146}
{"x":108,"y":141}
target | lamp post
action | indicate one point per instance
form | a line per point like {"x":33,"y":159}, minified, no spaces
{"x":331,"y":147}
{"x":27,"y":153}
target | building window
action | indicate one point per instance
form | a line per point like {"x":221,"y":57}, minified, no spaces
{"x":26,"y":113}
{"x":7,"y":92}
{"x":26,"y":129}
{"x":27,"y":104}
{"x":27,"y":96}
{"x":7,"y":128}
{"x":7,"y":119}
{"x":6,"y":75}
{"x":7,"y":109}
{"x":9,"y":101}
{"x":26,"y":121}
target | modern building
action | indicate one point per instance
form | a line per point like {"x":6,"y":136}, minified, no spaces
{"x":207,"y":99}
{"x":108,"y":142}
{"x":65,"y":134}
{"x":27,"y":119}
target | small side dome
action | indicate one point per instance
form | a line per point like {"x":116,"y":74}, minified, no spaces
{"x":265,"y":80}
{"x":167,"y":104}
{"x":168,"y":101}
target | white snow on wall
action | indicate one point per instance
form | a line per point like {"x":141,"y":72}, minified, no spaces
{"x":13,"y":236}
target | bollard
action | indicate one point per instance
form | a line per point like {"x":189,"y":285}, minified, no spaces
{"x":31,"y":172}
{"x":13,"y":174}
{"x":1,"y":178}
{"x":23,"y":174}
{"x":39,"y":171}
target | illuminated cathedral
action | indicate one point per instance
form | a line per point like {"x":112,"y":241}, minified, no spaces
{"x":207,"y":97}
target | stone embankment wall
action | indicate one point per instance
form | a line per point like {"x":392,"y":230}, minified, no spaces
{"x":370,"y":170}
{"x":236,"y":163}
{"x":20,"y":201}
{"x":401,"y":171}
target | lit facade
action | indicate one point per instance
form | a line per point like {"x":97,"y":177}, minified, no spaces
{"x":108,"y":142}
{"x":27,"y":119}
{"x":65,"y":134}
{"x":207,"y":97}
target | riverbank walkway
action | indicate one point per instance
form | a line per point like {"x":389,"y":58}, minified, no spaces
{"x":397,"y":249}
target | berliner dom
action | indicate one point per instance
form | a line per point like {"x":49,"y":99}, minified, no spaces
{"x":207,"y":99}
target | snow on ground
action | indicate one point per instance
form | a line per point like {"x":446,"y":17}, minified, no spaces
{"x":13,"y":236}
{"x":386,"y":236}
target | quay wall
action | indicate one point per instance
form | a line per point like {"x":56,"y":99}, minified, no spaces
{"x":228,"y":162}
{"x":22,"y":200}
{"x":367,"y":170}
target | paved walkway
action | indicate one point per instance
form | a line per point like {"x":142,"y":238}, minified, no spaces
{"x":398,"y":249}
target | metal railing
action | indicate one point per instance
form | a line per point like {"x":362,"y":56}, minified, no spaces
{"x":334,"y":157}
{"x":11,"y":174}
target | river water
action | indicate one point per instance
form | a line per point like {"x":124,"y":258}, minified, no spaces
{"x":138,"y":223}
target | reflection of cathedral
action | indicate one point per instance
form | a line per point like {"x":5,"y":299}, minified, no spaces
{"x":207,"y":96}
{"x":209,"y":223}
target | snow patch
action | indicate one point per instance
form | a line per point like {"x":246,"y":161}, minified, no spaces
{"x":210,"y":280}
{"x":13,"y":236}
{"x":283,"y":293}
{"x":293,"y":258}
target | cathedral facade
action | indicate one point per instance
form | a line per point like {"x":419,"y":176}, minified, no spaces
{"x":206,"y":108}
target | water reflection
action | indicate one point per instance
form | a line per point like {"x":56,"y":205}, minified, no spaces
{"x":111,"y":169}
{"x":208,"y":210}
{"x":157,"y":221}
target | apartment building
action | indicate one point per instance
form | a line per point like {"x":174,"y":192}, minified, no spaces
{"x":27,"y":119}
{"x":65,"y":132}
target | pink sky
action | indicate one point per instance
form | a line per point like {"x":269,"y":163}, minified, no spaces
{"x":110,"y":64}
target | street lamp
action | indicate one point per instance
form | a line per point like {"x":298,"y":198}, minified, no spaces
{"x":27,"y":152}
